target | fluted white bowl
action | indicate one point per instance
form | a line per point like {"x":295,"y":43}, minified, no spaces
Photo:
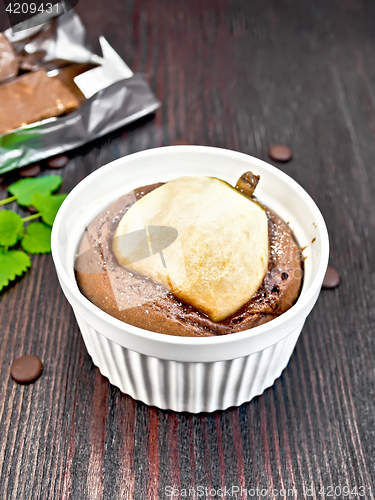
{"x":189,"y":373}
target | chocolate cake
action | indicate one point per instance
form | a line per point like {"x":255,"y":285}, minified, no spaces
{"x":137,"y":300}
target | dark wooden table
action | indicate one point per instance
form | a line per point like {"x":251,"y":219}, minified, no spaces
{"x":239,"y":75}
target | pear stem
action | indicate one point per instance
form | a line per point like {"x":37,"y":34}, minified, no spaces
{"x":247,"y":183}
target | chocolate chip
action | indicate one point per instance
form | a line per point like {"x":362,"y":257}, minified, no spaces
{"x":281,"y":153}
{"x":331,"y":279}
{"x":284,"y":276}
{"x":26,"y":369}
{"x":30,"y":171}
{"x":275,"y":289}
{"x":58,"y":161}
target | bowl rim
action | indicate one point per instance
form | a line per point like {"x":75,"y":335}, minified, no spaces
{"x":301,"y":303}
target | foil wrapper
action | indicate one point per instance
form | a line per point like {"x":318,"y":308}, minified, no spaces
{"x":114,"y":95}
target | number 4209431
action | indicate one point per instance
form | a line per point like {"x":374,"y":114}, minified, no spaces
{"x":32,"y":8}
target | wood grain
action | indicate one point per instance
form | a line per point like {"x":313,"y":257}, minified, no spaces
{"x":239,"y":75}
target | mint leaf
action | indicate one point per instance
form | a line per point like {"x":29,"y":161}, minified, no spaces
{"x":12,"y":263}
{"x":37,"y":238}
{"x":11,"y":228}
{"x":48,"y":206}
{"x":24,"y":189}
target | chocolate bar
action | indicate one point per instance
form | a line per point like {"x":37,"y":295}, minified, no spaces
{"x":33,"y":97}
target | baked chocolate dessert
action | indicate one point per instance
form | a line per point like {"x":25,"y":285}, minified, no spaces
{"x":139,"y":300}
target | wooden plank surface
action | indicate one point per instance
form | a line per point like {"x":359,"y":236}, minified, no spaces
{"x":239,"y":75}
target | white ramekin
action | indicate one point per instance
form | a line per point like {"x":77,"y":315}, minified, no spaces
{"x":179,"y":373}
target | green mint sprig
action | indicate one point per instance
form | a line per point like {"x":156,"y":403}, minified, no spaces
{"x":24,"y":190}
{"x":35,"y":238}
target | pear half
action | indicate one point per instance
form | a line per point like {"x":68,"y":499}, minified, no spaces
{"x":201,"y":238}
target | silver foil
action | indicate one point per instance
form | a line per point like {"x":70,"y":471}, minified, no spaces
{"x":110,"y":108}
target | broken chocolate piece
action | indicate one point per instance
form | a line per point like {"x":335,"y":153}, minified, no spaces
{"x":33,"y":97}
